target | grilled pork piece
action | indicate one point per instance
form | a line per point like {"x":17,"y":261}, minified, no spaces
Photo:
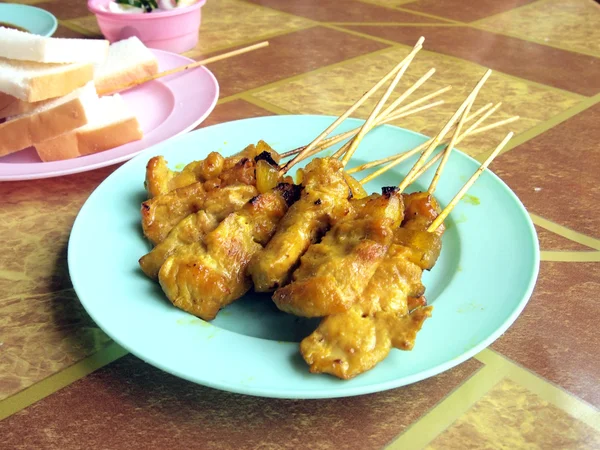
{"x":323,"y":202}
{"x":203,"y":277}
{"x":161,"y":180}
{"x":334,"y":272}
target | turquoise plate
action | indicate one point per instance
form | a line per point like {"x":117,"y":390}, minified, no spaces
{"x":482,"y":281}
{"x":30,"y":18}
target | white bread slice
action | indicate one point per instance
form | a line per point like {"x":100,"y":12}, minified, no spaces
{"x":127,"y":61}
{"x":48,"y":121}
{"x":111,"y":125}
{"x":32,"y":82}
{"x":15,"y":44}
{"x":12,"y":106}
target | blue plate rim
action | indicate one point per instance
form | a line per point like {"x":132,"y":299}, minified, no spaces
{"x":348,"y":391}
{"x":51,"y":16}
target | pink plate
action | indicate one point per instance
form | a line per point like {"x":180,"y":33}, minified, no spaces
{"x":164,"y":108}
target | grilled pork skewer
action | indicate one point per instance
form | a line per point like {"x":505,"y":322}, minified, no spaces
{"x":217,"y":205}
{"x":161,"y":180}
{"x":354,"y":341}
{"x":334,"y":272}
{"x":203,"y":277}
{"x":324,"y":200}
{"x":350,"y":343}
{"x":160,"y":214}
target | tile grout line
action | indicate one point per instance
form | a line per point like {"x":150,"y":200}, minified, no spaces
{"x":541,"y":128}
{"x":360,"y":34}
{"x":77,"y":28}
{"x":265,"y":105}
{"x":533,"y":41}
{"x":340,"y":27}
{"x":425,"y":51}
{"x":293,"y":78}
{"x":565,"y":232}
{"x":202,"y":53}
{"x":526,"y":5}
{"x":569,"y":256}
{"x":53,"y":383}
{"x":431,"y":16}
{"x":441,"y":416}
{"x":410,"y":11}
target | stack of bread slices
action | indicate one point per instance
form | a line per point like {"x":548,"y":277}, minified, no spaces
{"x":49,"y":93}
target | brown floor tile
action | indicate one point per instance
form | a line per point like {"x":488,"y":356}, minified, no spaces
{"x":234,"y":110}
{"x":556,"y":173}
{"x":64,"y":32}
{"x":327,"y":92}
{"x":464,"y":11}
{"x":42,"y":335}
{"x":511,"y":417}
{"x":558,"y":68}
{"x":556,"y":335}
{"x":343,"y":11}
{"x":552,"y":241}
{"x":87,"y":25}
{"x":37,"y":216}
{"x":165,"y":412}
{"x":289,"y":55}
{"x":66,"y":9}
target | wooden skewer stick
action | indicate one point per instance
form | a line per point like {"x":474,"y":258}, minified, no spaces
{"x":471,"y":130}
{"x":440,"y":219}
{"x":393,"y":107}
{"x":340,"y":137}
{"x":449,"y":147}
{"x":354,"y":143}
{"x":350,"y":110}
{"x":378,"y":107}
{"x":204,"y":62}
{"x":443,"y":132}
{"x":394,"y":160}
{"x":437,"y":157}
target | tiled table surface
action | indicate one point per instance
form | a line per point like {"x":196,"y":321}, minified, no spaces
{"x":64,"y":384}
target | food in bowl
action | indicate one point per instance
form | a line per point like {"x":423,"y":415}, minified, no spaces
{"x":146,"y":6}
{"x":175,"y":30}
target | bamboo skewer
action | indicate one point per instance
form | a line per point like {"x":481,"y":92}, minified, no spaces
{"x":340,"y":137}
{"x":440,"y":219}
{"x":393,"y":107}
{"x":443,"y":132}
{"x":394,"y":160}
{"x":383,"y":115}
{"x":350,"y":110}
{"x":449,"y":148}
{"x":204,"y":62}
{"x":397,"y":114}
{"x":437,"y":157}
{"x":469,"y":131}
{"x":378,"y":107}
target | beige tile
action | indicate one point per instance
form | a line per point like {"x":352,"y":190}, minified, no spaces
{"x":511,"y":417}
{"x":226,"y":23}
{"x":570,"y":24}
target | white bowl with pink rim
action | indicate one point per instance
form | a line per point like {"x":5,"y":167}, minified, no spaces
{"x":175,"y":30}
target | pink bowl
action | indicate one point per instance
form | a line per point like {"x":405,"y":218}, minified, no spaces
{"x":176,"y":30}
